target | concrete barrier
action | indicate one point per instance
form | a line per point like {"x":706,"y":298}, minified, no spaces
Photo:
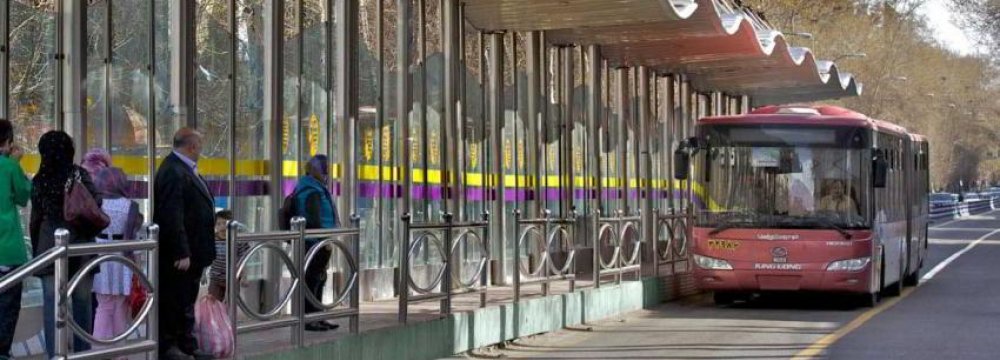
{"x":460,"y":332}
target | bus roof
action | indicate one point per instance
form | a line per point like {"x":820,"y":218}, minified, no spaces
{"x":807,"y":115}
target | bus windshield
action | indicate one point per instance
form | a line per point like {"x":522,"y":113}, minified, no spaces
{"x":782,"y":177}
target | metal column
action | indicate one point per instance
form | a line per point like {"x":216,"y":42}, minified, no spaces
{"x":594,"y":111}
{"x":449,"y":158}
{"x":495,"y":117}
{"x":535,"y":122}
{"x":566,"y":135}
{"x":404,"y":105}
{"x":645,"y":167}
{"x":182,"y":52}
{"x":151,"y":114}
{"x":273,"y":96}
{"x":346,"y":99}
{"x":5,"y":60}
{"x":72,"y":116}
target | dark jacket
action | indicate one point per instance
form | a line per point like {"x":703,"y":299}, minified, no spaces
{"x":185,"y":212}
{"x":45,"y":222}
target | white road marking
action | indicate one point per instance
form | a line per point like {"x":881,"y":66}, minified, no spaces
{"x":930,"y":274}
{"x":964,"y":229}
{"x":960,"y":242}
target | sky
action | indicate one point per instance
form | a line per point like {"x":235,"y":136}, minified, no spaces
{"x":940,"y":17}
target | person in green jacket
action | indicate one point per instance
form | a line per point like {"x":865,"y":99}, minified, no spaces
{"x":15,"y":189}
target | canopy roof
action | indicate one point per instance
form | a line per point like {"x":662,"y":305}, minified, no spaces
{"x":719,"y":46}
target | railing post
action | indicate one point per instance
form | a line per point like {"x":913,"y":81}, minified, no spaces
{"x":517,"y":257}
{"x":62,"y":335}
{"x":597,"y":247}
{"x":404,"y":269}
{"x":546,"y":255}
{"x":356,"y":291}
{"x":298,"y":294}
{"x":484,"y":280}
{"x":446,"y":285}
{"x":153,"y":274}
{"x":232,"y":281}
{"x":655,"y":245}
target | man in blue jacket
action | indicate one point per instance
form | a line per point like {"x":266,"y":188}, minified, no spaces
{"x":314,"y":202}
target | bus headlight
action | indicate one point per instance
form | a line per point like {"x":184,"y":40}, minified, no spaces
{"x":708,"y":263}
{"x":849,"y":265}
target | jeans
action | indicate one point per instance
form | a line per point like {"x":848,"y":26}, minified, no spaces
{"x":10,"y":310}
{"x":82,"y":313}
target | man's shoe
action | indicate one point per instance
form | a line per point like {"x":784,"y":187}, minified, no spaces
{"x":175,"y":353}
{"x":330,"y":325}
{"x":317,"y":326}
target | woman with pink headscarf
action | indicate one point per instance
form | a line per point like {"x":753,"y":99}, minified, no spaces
{"x":95,"y":160}
{"x":113,"y":283}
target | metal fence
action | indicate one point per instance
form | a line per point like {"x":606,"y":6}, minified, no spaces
{"x":290,"y":249}
{"x":550,"y":235}
{"x":620,"y":236}
{"x":66,"y":327}
{"x":670,"y":241}
{"x":444,"y":281}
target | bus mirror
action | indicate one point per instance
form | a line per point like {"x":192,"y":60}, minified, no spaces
{"x":880,"y":171}
{"x":682,"y":164}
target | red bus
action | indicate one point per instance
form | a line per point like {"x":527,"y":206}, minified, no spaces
{"x":798,"y":198}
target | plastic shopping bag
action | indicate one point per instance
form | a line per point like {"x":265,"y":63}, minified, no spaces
{"x":213,"y":328}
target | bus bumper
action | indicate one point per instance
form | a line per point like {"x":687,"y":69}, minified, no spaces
{"x":805,"y":280}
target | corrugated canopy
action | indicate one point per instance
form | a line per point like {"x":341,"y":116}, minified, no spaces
{"x":719,"y":46}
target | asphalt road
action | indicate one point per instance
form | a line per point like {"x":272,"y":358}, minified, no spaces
{"x":953,"y":314}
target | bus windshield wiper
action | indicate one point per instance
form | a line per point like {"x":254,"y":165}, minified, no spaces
{"x":730,"y":222}
{"x":826,"y":222}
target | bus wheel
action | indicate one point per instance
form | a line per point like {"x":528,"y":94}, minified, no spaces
{"x":912,"y":279}
{"x":723,"y":298}
{"x":895,"y":288}
{"x":866,"y":300}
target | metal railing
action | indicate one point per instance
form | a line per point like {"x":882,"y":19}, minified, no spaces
{"x":670,"y":240}
{"x":623,"y":241}
{"x":445,"y":283}
{"x":296,"y":261}
{"x":65,"y":325}
{"x":960,"y":209}
{"x":551,"y":234}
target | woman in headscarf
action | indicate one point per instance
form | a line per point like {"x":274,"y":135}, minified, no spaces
{"x":95,"y":160}
{"x":48,"y":189}
{"x":113,"y":284}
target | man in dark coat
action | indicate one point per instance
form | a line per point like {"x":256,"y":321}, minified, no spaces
{"x":184,"y":210}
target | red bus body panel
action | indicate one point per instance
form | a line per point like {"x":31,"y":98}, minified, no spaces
{"x":752,"y":254}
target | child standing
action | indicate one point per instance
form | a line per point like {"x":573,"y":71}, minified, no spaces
{"x":218,"y":272}
{"x":113,"y":283}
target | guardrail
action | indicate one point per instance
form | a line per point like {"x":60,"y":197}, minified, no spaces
{"x":65,"y":325}
{"x":957,"y":210}
{"x":623,"y":242}
{"x":445,"y":283}
{"x":549,"y":234}
{"x":343,"y":240}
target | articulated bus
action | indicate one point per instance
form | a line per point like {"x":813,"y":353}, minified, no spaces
{"x":798,"y":198}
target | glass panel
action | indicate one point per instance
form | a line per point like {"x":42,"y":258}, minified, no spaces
{"x":368,"y":134}
{"x":251,"y":203}
{"x":474,"y":142}
{"x":96,"y":101}
{"x":130,"y":86}
{"x":212,"y":65}
{"x":32,"y":71}
{"x":434,"y":109}
{"x":166,"y":122}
